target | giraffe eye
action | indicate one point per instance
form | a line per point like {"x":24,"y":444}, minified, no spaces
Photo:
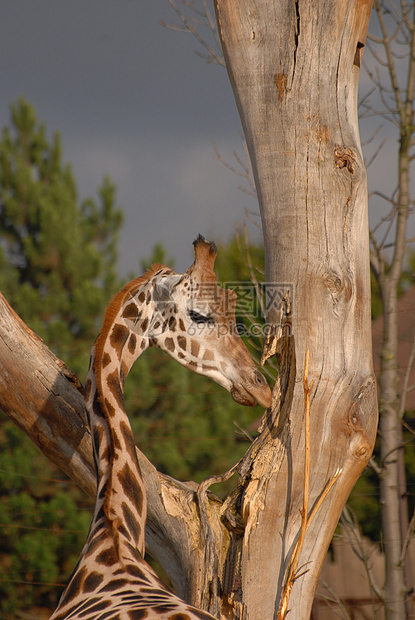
{"x":199,"y":318}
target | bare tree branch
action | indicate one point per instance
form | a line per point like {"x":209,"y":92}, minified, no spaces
{"x":390,"y":61}
{"x":245,"y":168}
{"x":405,"y":389}
{"x":351,"y":526}
{"x":333,"y":599}
{"x":191,"y":25}
{"x":408,"y":536}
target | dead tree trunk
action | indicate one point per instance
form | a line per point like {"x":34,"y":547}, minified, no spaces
{"x":294,"y":69}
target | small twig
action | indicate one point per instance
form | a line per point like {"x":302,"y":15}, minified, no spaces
{"x":245,"y":170}
{"x":357,"y":544}
{"x":376,"y":153}
{"x":409,"y":532}
{"x":334,"y":599}
{"x":405,"y":388}
{"x":388,"y":228}
{"x":394,"y":449}
{"x":324,"y":494}
{"x":240,"y":173}
{"x":243,"y":431}
{"x":405,"y":425}
{"x":203,"y":486}
{"x":202,"y":498}
{"x":376,"y":468}
{"x":249,"y":213}
{"x":191,"y":24}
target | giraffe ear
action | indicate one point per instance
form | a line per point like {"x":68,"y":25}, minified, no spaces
{"x":164,"y":287}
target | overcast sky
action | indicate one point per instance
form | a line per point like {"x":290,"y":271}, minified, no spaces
{"x":131,"y":99}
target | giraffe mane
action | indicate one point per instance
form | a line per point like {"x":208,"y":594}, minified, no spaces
{"x":112,"y":313}
{"x":114,"y":308}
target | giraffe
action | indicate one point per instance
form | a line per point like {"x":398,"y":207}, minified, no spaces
{"x":190,"y":317}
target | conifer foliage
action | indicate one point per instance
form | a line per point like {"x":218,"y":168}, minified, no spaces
{"x":58,"y":270}
{"x":57,"y":253}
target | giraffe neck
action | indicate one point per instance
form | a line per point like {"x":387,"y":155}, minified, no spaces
{"x":163,"y":309}
{"x":121,"y":506}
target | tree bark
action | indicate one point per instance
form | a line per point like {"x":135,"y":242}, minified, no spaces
{"x":294,"y":70}
{"x":391,"y":446}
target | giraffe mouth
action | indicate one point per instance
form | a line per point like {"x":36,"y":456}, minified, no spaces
{"x":244,"y":397}
{"x":241,"y":396}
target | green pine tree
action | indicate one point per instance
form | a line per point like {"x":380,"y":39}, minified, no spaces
{"x":58,"y":270}
{"x":57,"y":254}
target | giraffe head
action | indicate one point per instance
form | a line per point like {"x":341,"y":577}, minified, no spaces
{"x":194,"y":321}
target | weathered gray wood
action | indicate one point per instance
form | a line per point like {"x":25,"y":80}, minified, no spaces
{"x":44,"y":399}
{"x":294,"y":69}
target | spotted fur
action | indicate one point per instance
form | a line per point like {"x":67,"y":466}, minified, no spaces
{"x":112,"y":580}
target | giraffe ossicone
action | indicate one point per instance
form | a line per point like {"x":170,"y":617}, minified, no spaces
{"x":191,"y":318}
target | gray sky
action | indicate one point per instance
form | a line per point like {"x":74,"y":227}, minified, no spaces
{"x":130,"y":99}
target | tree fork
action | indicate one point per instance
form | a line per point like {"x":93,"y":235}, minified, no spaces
{"x":294,"y":69}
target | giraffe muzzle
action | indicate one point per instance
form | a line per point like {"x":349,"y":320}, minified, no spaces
{"x":254,"y":390}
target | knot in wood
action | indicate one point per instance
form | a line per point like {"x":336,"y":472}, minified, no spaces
{"x":353,"y":427}
{"x":333,"y":282}
{"x":360,"y":421}
{"x":340,"y":290}
{"x":345,"y":158}
{"x":353,"y":418}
